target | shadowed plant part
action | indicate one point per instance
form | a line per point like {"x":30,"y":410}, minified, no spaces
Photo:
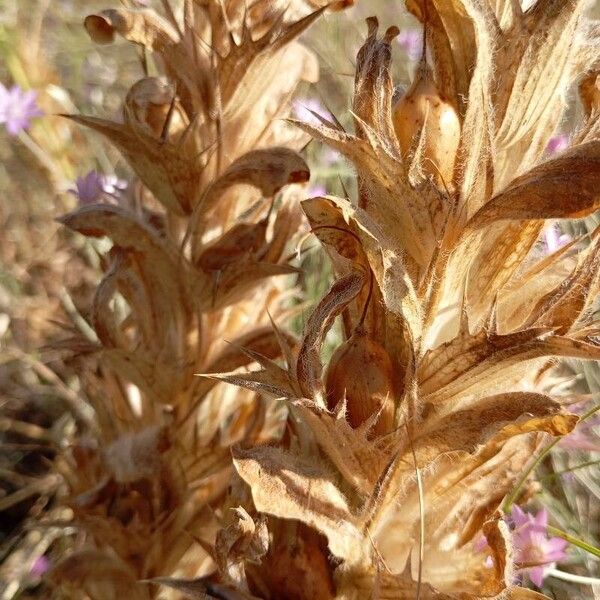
{"x":199,"y":251}
{"x":400,"y":451}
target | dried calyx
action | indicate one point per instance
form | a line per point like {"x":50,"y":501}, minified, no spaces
{"x":360,"y":377}
{"x":189,"y":287}
{"x":242,"y":241}
{"x":152,"y":106}
{"x":463,"y":308}
{"x":360,"y":373}
{"x":427,"y":126}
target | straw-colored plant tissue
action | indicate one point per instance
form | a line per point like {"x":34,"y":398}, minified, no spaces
{"x":379,"y":474}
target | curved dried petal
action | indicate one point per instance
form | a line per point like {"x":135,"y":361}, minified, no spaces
{"x":308,"y":366}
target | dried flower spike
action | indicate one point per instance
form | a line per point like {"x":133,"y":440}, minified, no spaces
{"x":461,"y":314}
{"x":190,"y":282}
{"x":377,"y":474}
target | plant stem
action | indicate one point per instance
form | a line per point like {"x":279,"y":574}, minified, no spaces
{"x":589,"y":463}
{"x":573,"y":578}
{"x":37,"y":151}
{"x":510,"y":499}
{"x":573,"y":540}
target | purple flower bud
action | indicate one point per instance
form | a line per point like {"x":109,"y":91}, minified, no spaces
{"x":554,"y":239}
{"x":331,"y":157}
{"x":411,"y":41}
{"x":40,"y":566}
{"x":91,"y":188}
{"x":317,"y":190}
{"x":112,"y":185}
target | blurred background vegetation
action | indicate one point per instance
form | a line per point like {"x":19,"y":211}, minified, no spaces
{"x":47,"y":276}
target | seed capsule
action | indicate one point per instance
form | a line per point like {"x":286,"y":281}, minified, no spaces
{"x":423,"y":106}
{"x":362,"y":371}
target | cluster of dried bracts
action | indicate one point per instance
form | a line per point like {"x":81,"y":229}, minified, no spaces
{"x":193,"y":273}
{"x":377,"y":475}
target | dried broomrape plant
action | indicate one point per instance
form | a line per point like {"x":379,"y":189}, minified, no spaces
{"x":379,"y":473}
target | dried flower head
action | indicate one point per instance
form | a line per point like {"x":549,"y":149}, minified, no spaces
{"x":190,"y":283}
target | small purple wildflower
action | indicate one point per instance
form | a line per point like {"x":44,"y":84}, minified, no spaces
{"x":112,"y":185}
{"x":88,"y":188}
{"x":41,"y":565}
{"x":569,"y":478}
{"x":91,"y":188}
{"x":17,"y":108}
{"x":558,"y":143}
{"x":303,"y":107}
{"x":331,"y":157}
{"x":580,"y":408}
{"x":535,"y":552}
{"x":579,"y":440}
{"x":481,"y":545}
{"x":411,"y":41}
